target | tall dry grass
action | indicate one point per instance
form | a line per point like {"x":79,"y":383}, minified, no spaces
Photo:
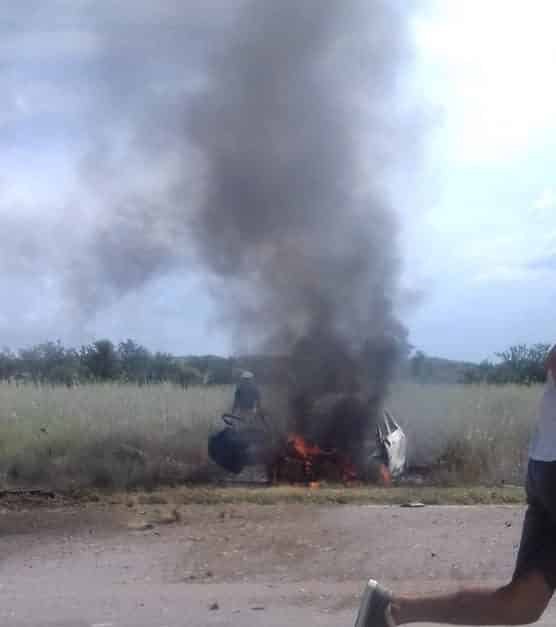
{"x":120,"y":435}
{"x":125,"y":435}
{"x":471,"y":433}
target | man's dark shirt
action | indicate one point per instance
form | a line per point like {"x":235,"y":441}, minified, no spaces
{"x":247,"y":396}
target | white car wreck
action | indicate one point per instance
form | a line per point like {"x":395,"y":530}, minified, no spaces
{"x":393,"y":442}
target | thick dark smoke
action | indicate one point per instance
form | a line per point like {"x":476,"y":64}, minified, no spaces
{"x":298,"y":131}
{"x":253,"y":141}
{"x":280,"y":145}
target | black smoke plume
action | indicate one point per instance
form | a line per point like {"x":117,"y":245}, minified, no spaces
{"x":253,"y":141}
{"x":298,"y":131}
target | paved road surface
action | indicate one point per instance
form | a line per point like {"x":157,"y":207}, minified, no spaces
{"x":265,"y":566}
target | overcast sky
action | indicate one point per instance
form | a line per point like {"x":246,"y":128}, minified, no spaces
{"x":479,"y":241}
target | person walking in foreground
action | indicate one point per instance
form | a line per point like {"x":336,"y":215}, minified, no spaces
{"x":525,"y":598}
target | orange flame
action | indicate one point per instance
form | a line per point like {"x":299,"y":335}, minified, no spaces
{"x":385,"y":476}
{"x":302,"y":447}
{"x":308,"y":452}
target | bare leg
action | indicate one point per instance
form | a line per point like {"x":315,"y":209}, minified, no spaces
{"x":521,"y":602}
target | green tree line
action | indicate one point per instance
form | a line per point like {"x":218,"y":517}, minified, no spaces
{"x":101,"y":361}
{"x":104,"y":361}
{"x":128,"y":361}
{"x":520,"y":364}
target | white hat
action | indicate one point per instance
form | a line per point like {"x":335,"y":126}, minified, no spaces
{"x":247,"y":375}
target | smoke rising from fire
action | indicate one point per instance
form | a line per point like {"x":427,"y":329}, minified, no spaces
{"x":298,"y":129}
{"x":252,"y":141}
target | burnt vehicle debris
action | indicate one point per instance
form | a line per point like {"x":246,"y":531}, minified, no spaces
{"x":313,"y":454}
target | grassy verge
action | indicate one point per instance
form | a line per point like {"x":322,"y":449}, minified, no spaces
{"x":211,"y":495}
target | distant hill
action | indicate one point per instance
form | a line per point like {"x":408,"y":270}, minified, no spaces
{"x":424,"y":369}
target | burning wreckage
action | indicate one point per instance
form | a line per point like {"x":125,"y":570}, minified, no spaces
{"x":325,"y":445}
{"x":295,"y":228}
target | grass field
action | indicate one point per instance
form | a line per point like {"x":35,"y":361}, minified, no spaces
{"x":125,"y":436}
{"x":481,"y":432}
{"x":105,"y":434}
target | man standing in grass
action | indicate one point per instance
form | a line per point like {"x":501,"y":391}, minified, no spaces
{"x":525,"y":598}
{"x":247,"y":398}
